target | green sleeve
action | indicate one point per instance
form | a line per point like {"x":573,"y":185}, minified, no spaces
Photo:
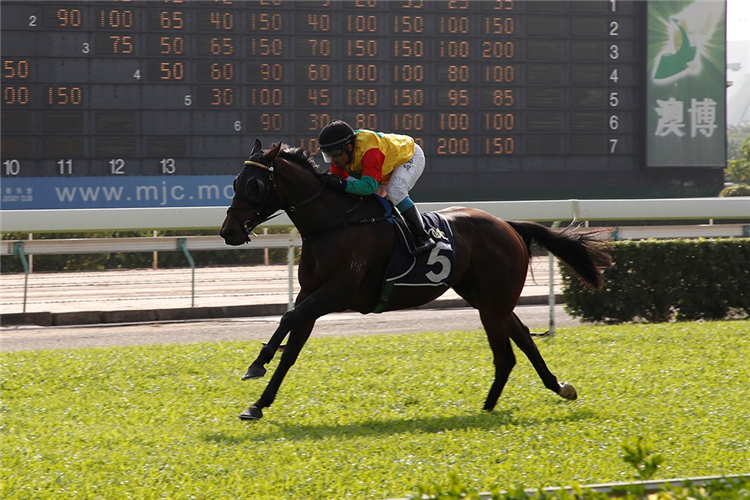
{"x":364,"y":186}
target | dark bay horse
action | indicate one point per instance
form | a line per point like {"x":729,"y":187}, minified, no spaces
{"x":345,"y":253}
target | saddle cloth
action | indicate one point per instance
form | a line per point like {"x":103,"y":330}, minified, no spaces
{"x":434,"y":268}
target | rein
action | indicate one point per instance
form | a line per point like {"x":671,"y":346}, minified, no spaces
{"x":343,"y":225}
{"x":249,"y":227}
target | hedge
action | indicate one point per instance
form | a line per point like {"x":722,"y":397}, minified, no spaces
{"x":663,"y":280}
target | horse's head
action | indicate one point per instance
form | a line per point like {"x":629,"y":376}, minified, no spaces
{"x":255,"y":196}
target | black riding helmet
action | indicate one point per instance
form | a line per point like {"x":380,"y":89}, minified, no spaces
{"x":333,"y":138}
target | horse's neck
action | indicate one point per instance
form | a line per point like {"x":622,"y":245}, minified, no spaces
{"x":311,"y":210}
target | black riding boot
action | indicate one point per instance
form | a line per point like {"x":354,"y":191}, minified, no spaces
{"x":422,"y":240}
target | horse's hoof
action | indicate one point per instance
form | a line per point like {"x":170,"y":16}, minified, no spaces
{"x":567,"y":391}
{"x":254,"y":371}
{"x":252,"y":413}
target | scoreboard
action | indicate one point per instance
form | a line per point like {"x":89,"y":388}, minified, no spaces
{"x":154,"y":103}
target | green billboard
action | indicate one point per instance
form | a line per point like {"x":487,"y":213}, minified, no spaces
{"x":686,"y":83}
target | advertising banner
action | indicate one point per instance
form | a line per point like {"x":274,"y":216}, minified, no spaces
{"x":686,"y":83}
{"x":27,"y":193}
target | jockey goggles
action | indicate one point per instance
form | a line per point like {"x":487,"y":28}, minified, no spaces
{"x":330,"y":153}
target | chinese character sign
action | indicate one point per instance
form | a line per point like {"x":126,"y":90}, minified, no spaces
{"x":686,"y":105}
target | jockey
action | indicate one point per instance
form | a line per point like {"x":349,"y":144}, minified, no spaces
{"x":364,"y":162}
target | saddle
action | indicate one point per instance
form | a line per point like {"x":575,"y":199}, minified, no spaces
{"x":435,"y":268}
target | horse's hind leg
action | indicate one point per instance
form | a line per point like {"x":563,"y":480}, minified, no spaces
{"x":502,"y":352}
{"x":522,"y":337}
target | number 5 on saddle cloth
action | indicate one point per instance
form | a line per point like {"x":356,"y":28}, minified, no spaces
{"x":434,"y":268}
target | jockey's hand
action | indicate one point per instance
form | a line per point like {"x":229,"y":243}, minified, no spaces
{"x":333,"y":181}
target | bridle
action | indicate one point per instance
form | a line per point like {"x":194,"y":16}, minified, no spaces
{"x":258,"y":193}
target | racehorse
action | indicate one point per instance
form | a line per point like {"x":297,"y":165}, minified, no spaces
{"x":346,"y":247}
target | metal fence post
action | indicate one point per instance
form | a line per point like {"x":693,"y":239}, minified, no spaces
{"x":290,"y":264}
{"x":18,"y":250}
{"x":552,"y":300}
{"x":182,"y":245}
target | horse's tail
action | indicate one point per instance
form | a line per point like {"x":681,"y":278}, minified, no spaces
{"x":580,"y":250}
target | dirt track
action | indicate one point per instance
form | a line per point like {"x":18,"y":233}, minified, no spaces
{"x":26,"y":338}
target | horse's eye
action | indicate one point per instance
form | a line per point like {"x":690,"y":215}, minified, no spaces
{"x":234,"y":185}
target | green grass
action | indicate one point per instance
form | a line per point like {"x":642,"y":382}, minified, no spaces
{"x":372,"y":416}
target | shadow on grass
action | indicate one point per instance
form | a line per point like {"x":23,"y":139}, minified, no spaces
{"x":388,"y":427}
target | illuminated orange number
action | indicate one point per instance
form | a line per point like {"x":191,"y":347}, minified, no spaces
{"x":504,"y":5}
{"x":222,"y":71}
{"x":266,"y":22}
{"x":70,"y":17}
{"x":362,"y":48}
{"x":172,"y":45}
{"x":222,"y":97}
{"x":454,"y":49}
{"x":499,"y":25}
{"x":362,"y":97}
{"x":15,"y":69}
{"x":319,"y":97}
{"x":453,"y":145}
{"x":366,"y":120}
{"x":319,"y":22}
{"x":458,"y":73}
{"x":408,"y":48}
{"x":499,"y":121}
{"x":319,"y":72}
{"x":408,"y":121}
{"x":361,"y":73}
{"x":454,"y":25}
{"x":64,"y":96}
{"x":222,"y":46}
{"x":18,"y":96}
{"x":408,"y":73}
{"x":271,"y":121}
{"x":362,"y":24}
{"x":318,"y":120}
{"x":272,"y":72}
{"x":458,"y":4}
{"x":498,"y":50}
{"x":408,"y":24}
{"x":222,"y":20}
{"x":116,"y":18}
{"x":266,"y":97}
{"x":500,"y":146}
{"x":454,"y":121}
{"x":497,"y":74}
{"x":122,"y":44}
{"x":503,"y":98}
{"x":171,"y":20}
{"x":266,"y":46}
{"x":172,"y":71}
{"x":408,"y":97}
{"x":458,"y":97}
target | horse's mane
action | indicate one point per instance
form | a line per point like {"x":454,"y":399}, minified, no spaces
{"x":301,"y":157}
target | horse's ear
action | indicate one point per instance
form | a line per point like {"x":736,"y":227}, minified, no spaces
{"x":274,"y":151}
{"x":257,"y":147}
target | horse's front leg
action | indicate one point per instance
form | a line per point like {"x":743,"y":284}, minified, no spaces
{"x":288,"y":321}
{"x":297,"y":339}
{"x":299,"y":323}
